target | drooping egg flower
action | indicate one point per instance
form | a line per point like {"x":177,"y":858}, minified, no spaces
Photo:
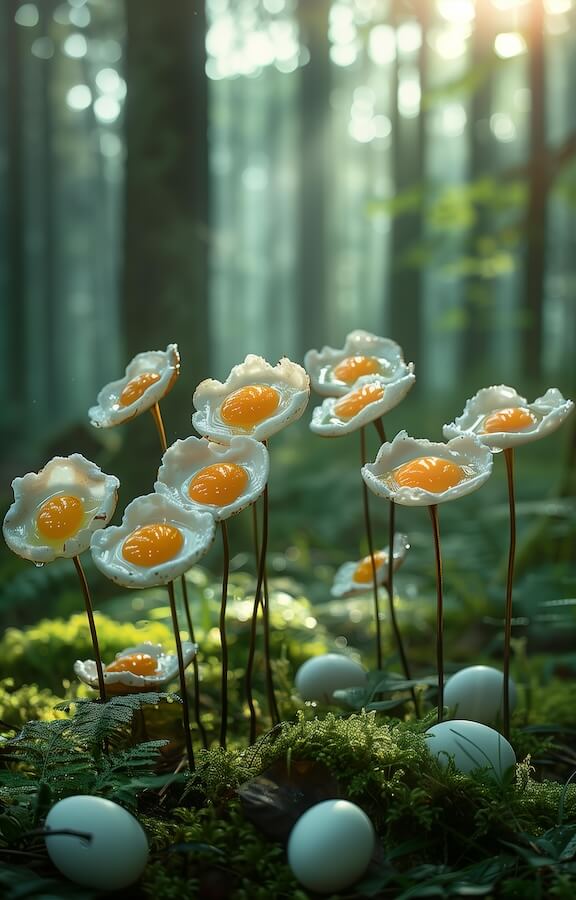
{"x":55,"y":513}
{"x":415,"y":472}
{"x":503,"y":420}
{"x":157,"y":541}
{"x":354,"y":578}
{"x":222,"y":480}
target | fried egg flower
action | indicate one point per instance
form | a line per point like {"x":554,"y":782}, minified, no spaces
{"x":356,"y":577}
{"x":503,"y":419}
{"x":415,"y":472}
{"x":147,"y":379}
{"x":157,"y":542}
{"x":219,"y":479}
{"x":145,"y":667}
{"x":370,"y":398}
{"x":333,"y":372}
{"x":256,"y":400}
{"x":56,"y":510}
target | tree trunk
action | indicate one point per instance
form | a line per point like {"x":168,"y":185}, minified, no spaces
{"x":166,"y":183}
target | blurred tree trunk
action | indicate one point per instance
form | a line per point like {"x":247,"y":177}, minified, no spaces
{"x":164,"y":291}
{"x":409,"y":156}
{"x":535,"y":259}
{"x":53,"y":389}
{"x":315,"y":156}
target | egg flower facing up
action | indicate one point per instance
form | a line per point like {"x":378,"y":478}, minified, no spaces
{"x":415,"y":472}
{"x":504,"y":420}
{"x":222,"y":480}
{"x":55,"y":513}
{"x":257,"y":400}
{"x":353,"y":578}
{"x":145,"y":667}
{"x":370,"y":398}
{"x":157,"y":541}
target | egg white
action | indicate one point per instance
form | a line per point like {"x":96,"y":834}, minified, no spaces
{"x":184,"y":459}
{"x":550,"y":411}
{"x":465,"y":451}
{"x":288,"y":378}
{"x":128,"y":682}
{"x":320,"y":364}
{"x":327,"y":423}
{"x":165,"y":363}
{"x":344,"y":584}
{"x":72,"y":475}
{"x":197,"y":530}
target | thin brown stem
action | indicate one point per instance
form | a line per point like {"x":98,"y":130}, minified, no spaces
{"x":223,"y":641}
{"x":254,"y":620}
{"x":92,"y":625}
{"x":509,"y":459}
{"x":368,"y":526}
{"x":270,"y":693}
{"x":393,"y":619}
{"x":433,"y":510}
{"x":182,"y":676}
{"x":195,"y":666}
{"x":379,"y":426}
{"x":158,"y":421}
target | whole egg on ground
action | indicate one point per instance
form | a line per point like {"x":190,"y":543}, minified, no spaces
{"x":472,"y":747}
{"x":320,"y":676}
{"x":476,"y":693}
{"x":256,"y":400}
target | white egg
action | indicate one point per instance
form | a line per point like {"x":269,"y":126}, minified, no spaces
{"x":468,"y":461}
{"x":472,"y":746}
{"x":256,"y":400}
{"x":217,"y":478}
{"x":334,"y":371}
{"x":330,"y":846}
{"x":371,"y":397}
{"x":476,"y":693}
{"x":115,"y":855}
{"x":502,"y":418}
{"x":56,"y":510}
{"x":319,"y":677}
{"x":167,"y":539}
{"x":356,"y":577}
{"x":147,"y":378}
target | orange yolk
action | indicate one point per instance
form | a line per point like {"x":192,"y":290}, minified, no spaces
{"x":135,"y":388}
{"x":353,"y":367}
{"x":363,"y":571}
{"x":513,"y":418}
{"x":60,"y":517}
{"x":138,"y":663}
{"x":429,"y":473}
{"x":219,"y":484}
{"x":355,"y":401}
{"x":250,"y":405}
{"x":152,"y":545}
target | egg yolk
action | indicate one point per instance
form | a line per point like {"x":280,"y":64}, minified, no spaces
{"x":355,"y":401}
{"x":429,"y":473}
{"x":250,"y":405}
{"x":353,"y":367}
{"x":219,"y":484}
{"x":152,"y":545}
{"x":60,"y":517}
{"x":138,"y":663}
{"x":136,"y":387}
{"x":363,"y":571}
{"x":513,"y":418}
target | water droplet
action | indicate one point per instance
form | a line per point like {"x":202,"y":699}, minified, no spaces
{"x":38,"y":565}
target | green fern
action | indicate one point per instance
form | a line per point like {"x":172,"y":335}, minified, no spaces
{"x":93,"y":723}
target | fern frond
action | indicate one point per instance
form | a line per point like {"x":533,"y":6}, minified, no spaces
{"x":94,"y":722}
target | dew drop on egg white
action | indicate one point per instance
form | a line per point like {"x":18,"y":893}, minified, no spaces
{"x":331,"y":846}
{"x":472,"y":746}
{"x":319,"y":677}
{"x":476,"y":693}
{"x":115,"y":856}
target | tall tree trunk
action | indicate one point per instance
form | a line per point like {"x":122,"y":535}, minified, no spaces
{"x":315,"y":156}
{"x":166,"y":183}
{"x":535,"y":260}
{"x":409,"y":155}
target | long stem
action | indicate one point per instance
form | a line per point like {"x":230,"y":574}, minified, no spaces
{"x":254,"y":621}
{"x":195,"y":666}
{"x":270,"y":693}
{"x":509,"y":458}
{"x":182,"y":676}
{"x":393,"y":619}
{"x":223,"y":641}
{"x":368,"y":526}
{"x":158,"y":421}
{"x":92,"y":624}
{"x":439,"y":611}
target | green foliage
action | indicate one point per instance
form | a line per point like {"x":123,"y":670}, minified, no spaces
{"x":19,"y":704}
